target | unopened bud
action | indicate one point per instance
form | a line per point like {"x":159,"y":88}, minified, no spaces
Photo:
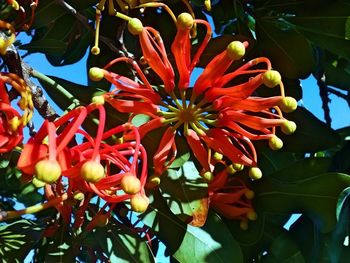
{"x":288,"y":127}
{"x":238,"y":166}
{"x":47,"y":171}
{"x":255,"y":173}
{"x":98,"y":100}
{"x":78,"y":196}
{"x":235,"y":50}
{"x":130,"y":184}
{"x":244,"y":224}
{"x":252,"y":216}
{"x":275,"y":143}
{"x":288,"y":104}
{"x":139,"y":203}
{"x":92,"y":171}
{"x":96,"y":74}
{"x":135,"y":26}
{"x":217,"y":156}
{"x":208,"y":176}
{"x":38,"y":183}
{"x":271,"y":78}
{"x":154,"y":179}
{"x":249,"y":194}
{"x":185,"y":21}
{"x":230,"y":169}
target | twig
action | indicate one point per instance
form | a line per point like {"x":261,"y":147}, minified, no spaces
{"x":345,"y":97}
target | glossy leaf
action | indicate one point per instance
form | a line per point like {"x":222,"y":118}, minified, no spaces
{"x":17,"y":239}
{"x":186,"y":194}
{"x":316,"y":196}
{"x":305,"y":139}
{"x":48,"y":46}
{"x":119,"y":244}
{"x":290,"y":53}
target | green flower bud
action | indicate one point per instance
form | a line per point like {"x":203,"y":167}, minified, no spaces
{"x":255,"y":173}
{"x":275,"y":143}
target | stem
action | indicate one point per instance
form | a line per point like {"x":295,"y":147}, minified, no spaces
{"x":6,"y":215}
{"x":54,"y":85}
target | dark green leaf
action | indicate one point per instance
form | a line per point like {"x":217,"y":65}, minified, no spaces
{"x":17,"y":239}
{"x":47,"y":46}
{"x":119,"y":244}
{"x":48,"y":12}
{"x":289,"y":51}
{"x":305,"y":139}
{"x":316,"y":196}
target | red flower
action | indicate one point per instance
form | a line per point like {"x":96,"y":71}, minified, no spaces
{"x":214,"y":115}
{"x":106,"y":164}
{"x":11,"y":122}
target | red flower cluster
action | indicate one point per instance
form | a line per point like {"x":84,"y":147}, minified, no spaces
{"x":11,"y":122}
{"x":105,"y":165}
{"x":215,"y":116}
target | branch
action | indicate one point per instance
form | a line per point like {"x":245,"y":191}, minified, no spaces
{"x":14,"y":63}
{"x":345,"y":97}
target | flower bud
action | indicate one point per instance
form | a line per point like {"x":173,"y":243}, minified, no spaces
{"x":135,"y":26}
{"x":217,"y":156}
{"x":95,"y":50}
{"x":271,"y":78}
{"x":98,"y":100}
{"x":255,"y":173}
{"x":288,"y":127}
{"x":185,"y":21}
{"x":249,"y":194}
{"x":275,"y":143}
{"x":14,"y":123}
{"x":130,"y":184}
{"x":208,"y":176}
{"x":78,"y":196}
{"x":238,"y":166}
{"x":47,"y":171}
{"x":230,"y":169}
{"x":288,"y":104}
{"x":92,"y":171}
{"x":139,"y":203}
{"x":252,"y":215}
{"x":154,"y":179}
{"x":235,"y":50}
{"x":96,"y":74}
{"x":244,"y":224}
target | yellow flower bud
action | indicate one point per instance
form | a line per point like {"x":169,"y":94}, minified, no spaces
{"x":230,"y":169}
{"x":78,"y":196}
{"x":288,"y":127}
{"x":185,"y":21}
{"x":288,"y":104}
{"x":275,"y":143}
{"x":244,"y":224}
{"x":47,"y":171}
{"x":235,"y":50}
{"x":130,"y":184}
{"x":135,"y":26}
{"x":255,"y":173}
{"x":98,"y":100}
{"x":271,"y":78}
{"x":92,"y":171}
{"x":252,"y":216}
{"x":154,"y":179}
{"x":96,"y":74}
{"x":217,"y":156}
{"x":139,"y":203}
{"x":238,"y":166}
{"x":208,"y":176}
{"x":249,"y":194}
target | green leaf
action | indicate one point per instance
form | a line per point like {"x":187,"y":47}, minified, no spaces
{"x":337,"y":72}
{"x":316,"y":196}
{"x":290,"y":53}
{"x":305,"y":139}
{"x":17,"y":239}
{"x":47,"y":46}
{"x":119,"y":244}
{"x":307,"y":236}
{"x":341,"y":201}
{"x":302,"y":169}
{"x":326,"y":27}
{"x":212,"y":243}
{"x":48,"y":12}
{"x":284,"y":249}
{"x":186,"y":193}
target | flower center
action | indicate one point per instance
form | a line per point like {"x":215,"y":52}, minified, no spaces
{"x":188,"y":113}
